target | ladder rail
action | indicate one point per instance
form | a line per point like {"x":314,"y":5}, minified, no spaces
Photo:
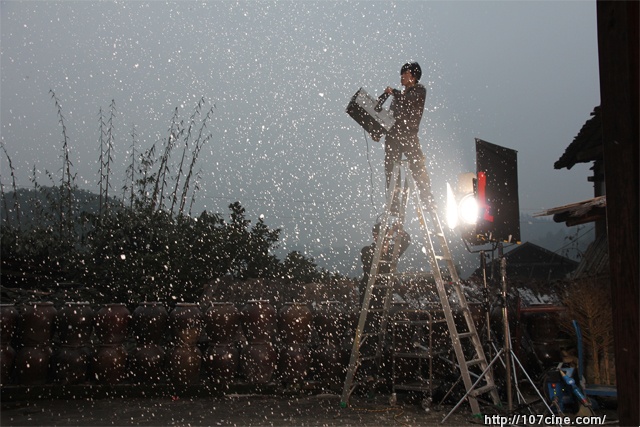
{"x":444,"y":300}
{"x":364,"y":312}
{"x":404,"y":198}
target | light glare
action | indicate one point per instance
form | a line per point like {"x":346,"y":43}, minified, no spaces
{"x":452,"y":208}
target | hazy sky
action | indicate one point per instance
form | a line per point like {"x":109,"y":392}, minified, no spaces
{"x":523,"y":75}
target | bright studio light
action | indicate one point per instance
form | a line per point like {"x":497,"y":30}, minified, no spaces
{"x":464,"y":211}
{"x":468,"y":209}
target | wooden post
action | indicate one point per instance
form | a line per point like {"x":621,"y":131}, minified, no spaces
{"x":618,"y":59}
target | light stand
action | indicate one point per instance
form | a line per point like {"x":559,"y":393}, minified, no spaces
{"x":507,"y":332}
{"x":486,"y":303}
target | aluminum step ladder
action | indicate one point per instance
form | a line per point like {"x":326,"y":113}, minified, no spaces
{"x":374,"y":314}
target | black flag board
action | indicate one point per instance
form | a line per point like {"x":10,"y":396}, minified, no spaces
{"x":497,"y":193}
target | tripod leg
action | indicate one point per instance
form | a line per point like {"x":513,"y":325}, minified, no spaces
{"x":450,"y":390}
{"x":513,"y":355}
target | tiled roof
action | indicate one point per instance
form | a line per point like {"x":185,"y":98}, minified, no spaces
{"x":595,"y":261}
{"x":586,"y":146}
{"x":530,"y":261}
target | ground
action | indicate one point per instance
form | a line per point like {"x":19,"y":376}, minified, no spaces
{"x":230,"y":410}
{"x":123,"y":405}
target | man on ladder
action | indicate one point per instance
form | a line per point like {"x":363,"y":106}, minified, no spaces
{"x":402,"y":138}
{"x":407,"y":107}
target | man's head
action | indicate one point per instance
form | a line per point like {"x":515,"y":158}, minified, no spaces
{"x":413,"y":68}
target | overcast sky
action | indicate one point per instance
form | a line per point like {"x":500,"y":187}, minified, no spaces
{"x":523,"y":75}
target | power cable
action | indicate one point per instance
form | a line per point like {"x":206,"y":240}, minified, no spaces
{"x":370,"y":174}
{"x":574,"y":240}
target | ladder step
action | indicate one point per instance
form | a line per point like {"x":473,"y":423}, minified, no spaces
{"x":482,"y":390}
{"x":464,"y":335}
{"x":370,"y":334}
{"x":364,"y":358}
{"x":474,"y":362}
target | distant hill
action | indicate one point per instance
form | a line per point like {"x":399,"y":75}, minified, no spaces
{"x":38,"y":206}
{"x":570,"y":242}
